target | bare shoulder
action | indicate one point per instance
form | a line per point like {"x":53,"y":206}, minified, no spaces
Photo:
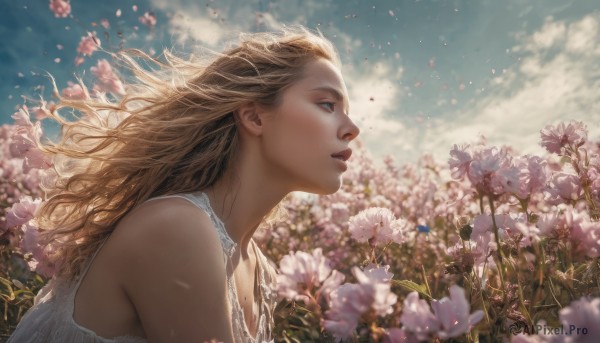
{"x":169,"y":262}
{"x":165,"y":222}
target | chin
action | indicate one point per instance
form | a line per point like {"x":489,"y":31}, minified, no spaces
{"x":327,"y":189}
{"x":320,"y":186}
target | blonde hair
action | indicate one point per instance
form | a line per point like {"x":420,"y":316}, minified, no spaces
{"x":172,"y":132}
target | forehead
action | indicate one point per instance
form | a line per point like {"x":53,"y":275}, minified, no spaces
{"x":322,"y":72}
{"x":322,"y":76}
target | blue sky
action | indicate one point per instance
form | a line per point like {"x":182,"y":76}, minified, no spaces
{"x":421,"y":75}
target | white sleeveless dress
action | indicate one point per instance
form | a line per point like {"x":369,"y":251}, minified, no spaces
{"x":51,"y":317}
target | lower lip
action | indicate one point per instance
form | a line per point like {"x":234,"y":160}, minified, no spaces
{"x":341,"y":163}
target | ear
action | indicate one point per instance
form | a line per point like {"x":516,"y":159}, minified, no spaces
{"x":250,"y":118}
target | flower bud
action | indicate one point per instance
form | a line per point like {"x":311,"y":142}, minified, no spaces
{"x":465,"y":232}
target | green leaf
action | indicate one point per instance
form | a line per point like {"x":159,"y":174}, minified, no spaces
{"x":412,"y":286}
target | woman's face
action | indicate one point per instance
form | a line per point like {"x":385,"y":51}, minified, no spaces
{"x":310,"y":124}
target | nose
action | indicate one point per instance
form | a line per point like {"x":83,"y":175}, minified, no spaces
{"x":349,"y":130}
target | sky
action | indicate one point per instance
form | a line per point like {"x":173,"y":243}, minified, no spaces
{"x":422,"y":75}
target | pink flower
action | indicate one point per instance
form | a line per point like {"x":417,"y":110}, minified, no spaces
{"x":301,"y":273}
{"x":108,"y":80}
{"x":22,"y":117}
{"x":593,"y":175}
{"x":39,"y":261}
{"x":417,"y":317}
{"x":483,"y":227}
{"x":22,"y":212}
{"x":339,"y":212}
{"x":43,"y":110}
{"x":581,"y":231}
{"x":350,"y":301}
{"x":554,"y":138}
{"x":61,"y":8}
{"x":79,"y":60}
{"x":31,"y":180}
{"x":468,"y":254}
{"x":148,"y":19}
{"x":104,"y":22}
{"x":563,"y":188}
{"x":584,"y":232}
{"x":36,"y":159}
{"x":74,"y":91}
{"x":532,"y":175}
{"x":530,"y":232}
{"x":547,"y":223}
{"x":376,"y":281}
{"x":378,"y":274}
{"x":329,"y":285}
{"x":453,"y":314}
{"x":29,"y":243}
{"x":23,"y":142}
{"x":459,"y":161}
{"x":378,"y":226}
{"x":582,"y":313}
{"x":88,"y":44}
{"x":491,"y":171}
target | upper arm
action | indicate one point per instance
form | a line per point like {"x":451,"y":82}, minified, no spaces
{"x":174,"y":273}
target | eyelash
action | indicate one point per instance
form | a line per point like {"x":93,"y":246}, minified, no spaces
{"x":329,"y":103}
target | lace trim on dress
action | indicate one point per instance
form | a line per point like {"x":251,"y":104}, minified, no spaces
{"x":237,"y":313}
{"x":266,"y":294}
{"x":228,"y":244}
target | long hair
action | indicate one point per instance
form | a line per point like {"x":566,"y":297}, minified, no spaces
{"x":173,"y":131}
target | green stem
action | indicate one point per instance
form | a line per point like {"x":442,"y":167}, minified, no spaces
{"x":552,"y":292}
{"x":582,"y":173}
{"x":425,"y":280}
{"x":498,"y":247}
{"x":520,"y":288}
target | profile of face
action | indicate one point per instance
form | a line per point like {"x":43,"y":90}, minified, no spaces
{"x":309,"y":125}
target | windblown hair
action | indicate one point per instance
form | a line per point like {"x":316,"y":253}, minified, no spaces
{"x":172,"y":132}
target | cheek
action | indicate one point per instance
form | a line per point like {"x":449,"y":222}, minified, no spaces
{"x":302,"y":134}
{"x":308,"y":128}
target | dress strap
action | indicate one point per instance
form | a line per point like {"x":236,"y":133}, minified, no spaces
{"x":88,"y":263}
{"x":228,"y":244}
{"x":266,"y":293}
{"x":70,"y":296}
{"x":201,"y":200}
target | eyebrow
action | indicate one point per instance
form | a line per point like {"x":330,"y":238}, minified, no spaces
{"x":336,"y":94}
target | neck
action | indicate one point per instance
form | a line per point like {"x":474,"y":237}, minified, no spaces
{"x":244,"y":204}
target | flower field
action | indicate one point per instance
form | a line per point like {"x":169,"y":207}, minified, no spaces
{"x":489,"y":246}
{"x":486,"y":246}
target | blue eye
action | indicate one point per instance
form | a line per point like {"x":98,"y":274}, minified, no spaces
{"x":331,"y":104}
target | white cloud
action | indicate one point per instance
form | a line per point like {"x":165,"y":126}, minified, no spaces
{"x":196,"y":28}
{"x":214,"y":23}
{"x":548,"y":86}
{"x":193,"y":22}
{"x":583,"y":36}
{"x":550,"y":34}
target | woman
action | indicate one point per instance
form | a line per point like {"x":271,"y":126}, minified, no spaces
{"x":216,"y":148}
